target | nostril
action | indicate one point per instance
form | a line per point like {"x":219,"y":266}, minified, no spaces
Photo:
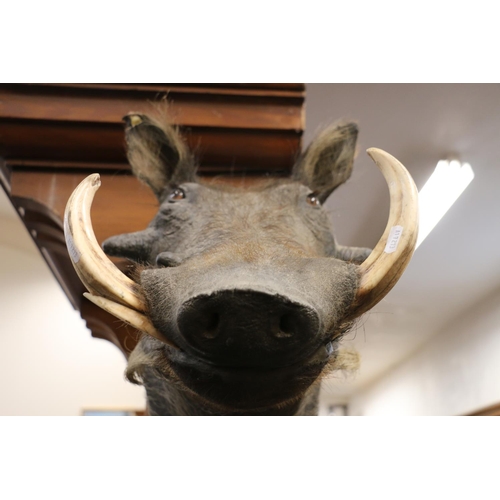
{"x":286,"y":326}
{"x":211,"y":330}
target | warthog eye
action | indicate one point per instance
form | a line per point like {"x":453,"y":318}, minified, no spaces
{"x":176,"y":195}
{"x":313,"y":200}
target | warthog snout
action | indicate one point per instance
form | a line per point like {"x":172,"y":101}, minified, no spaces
{"x":244,"y":328}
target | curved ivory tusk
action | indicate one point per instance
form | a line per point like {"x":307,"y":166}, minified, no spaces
{"x":129,"y":316}
{"x":388,"y":260}
{"x":99,"y":275}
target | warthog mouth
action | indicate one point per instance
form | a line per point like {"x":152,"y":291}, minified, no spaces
{"x":249,"y":388}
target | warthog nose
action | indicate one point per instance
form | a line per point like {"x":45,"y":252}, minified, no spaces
{"x":248,"y":329}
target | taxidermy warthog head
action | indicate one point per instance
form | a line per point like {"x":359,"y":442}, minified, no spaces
{"x":245,"y":294}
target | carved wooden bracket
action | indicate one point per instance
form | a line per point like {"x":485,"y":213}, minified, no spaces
{"x":46,"y":229}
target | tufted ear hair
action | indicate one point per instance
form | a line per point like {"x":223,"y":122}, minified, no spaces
{"x":157,"y":153}
{"x":327,"y":161}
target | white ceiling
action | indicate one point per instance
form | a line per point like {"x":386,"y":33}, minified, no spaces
{"x":459,"y":263}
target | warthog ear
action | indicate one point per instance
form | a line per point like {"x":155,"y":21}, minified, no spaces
{"x":327,"y":162}
{"x":158,"y":155}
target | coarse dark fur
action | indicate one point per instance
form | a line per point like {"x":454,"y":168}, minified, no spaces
{"x":249,"y":284}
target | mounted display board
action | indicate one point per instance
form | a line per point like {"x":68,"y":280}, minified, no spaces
{"x":52,"y":136}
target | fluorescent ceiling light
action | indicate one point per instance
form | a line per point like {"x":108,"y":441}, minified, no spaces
{"x":445,"y":185}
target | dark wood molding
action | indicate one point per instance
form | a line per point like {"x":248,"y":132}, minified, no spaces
{"x":489,"y":411}
{"x":5,"y":173}
{"x":234,"y":129}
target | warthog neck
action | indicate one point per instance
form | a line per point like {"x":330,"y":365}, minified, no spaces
{"x":166,"y":398}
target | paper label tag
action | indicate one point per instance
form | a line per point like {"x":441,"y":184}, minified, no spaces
{"x":393,"y":240}
{"x":72,"y":250}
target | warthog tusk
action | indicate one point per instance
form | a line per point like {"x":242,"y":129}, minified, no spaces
{"x":109,"y":288}
{"x":129,"y":316}
{"x":99,"y":275}
{"x":388,"y":260}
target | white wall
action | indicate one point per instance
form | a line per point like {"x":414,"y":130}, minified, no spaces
{"x":455,"y":373}
{"x":49,"y":363}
